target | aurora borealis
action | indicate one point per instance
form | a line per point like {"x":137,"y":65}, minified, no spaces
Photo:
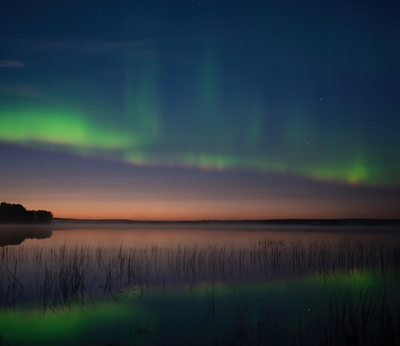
{"x":201,"y":110}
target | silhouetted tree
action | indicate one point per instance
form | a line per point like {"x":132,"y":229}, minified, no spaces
{"x":44,"y":216}
{"x":16,"y":213}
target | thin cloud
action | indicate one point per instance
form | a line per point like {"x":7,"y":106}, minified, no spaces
{"x":11,"y":63}
{"x":139,"y":49}
{"x":22,"y":89}
{"x":84,"y":47}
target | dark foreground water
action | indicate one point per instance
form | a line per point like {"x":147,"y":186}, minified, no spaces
{"x":236,"y":284}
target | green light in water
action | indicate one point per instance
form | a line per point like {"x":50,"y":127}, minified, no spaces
{"x":30,"y":326}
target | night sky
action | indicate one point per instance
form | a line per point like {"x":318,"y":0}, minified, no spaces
{"x":201,"y":109}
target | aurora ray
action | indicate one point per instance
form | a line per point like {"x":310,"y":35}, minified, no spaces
{"x":143,"y":140}
{"x":305,"y":90}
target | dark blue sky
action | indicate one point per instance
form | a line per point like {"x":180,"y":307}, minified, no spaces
{"x":192,"y":109}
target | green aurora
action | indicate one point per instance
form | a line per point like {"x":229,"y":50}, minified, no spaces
{"x":305,"y":89}
{"x":142,"y":141}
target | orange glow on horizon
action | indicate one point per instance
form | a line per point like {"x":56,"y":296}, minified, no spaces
{"x":200,"y":210}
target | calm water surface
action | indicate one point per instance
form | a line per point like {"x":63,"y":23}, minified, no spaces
{"x":213,"y":284}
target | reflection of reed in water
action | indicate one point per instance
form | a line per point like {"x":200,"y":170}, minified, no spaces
{"x":16,"y":235}
{"x":358,"y":318}
{"x":362,"y":320}
{"x":73,"y":273}
{"x":74,"y":276}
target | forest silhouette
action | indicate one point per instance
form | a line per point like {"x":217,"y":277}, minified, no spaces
{"x":16,"y":213}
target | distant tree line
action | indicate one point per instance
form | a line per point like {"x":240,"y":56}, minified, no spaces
{"x":16,"y":213}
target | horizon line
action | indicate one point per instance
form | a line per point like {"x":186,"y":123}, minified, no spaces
{"x":279,"y":220}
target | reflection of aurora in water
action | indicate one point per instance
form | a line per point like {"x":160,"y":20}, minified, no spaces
{"x":205,"y":312}
{"x":146,"y":295}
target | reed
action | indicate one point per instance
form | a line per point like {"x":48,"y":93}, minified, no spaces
{"x":68,"y":276}
{"x":67,"y":273}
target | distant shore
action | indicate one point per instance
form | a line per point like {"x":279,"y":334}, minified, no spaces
{"x":284,"y":222}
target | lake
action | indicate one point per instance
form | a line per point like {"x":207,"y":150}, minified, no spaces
{"x":199,"y":284}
